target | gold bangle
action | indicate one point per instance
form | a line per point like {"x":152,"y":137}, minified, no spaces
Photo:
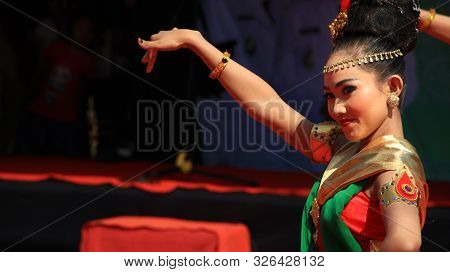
{"x":423,"y":26}
{"x":221,"y":66}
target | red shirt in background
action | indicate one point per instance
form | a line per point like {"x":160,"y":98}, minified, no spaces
{"x":59,"y":94}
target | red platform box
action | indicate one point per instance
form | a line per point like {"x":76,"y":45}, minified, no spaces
{"x":155,"y":234}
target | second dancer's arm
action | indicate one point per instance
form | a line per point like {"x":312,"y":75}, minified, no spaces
{"x":435,"y":25}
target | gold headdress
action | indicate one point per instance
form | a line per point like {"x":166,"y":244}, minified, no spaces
{"x":337,"y":26}
{"x":339,"y":23}
{"x":381,"y":56}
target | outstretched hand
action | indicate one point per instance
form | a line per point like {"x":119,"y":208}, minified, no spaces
{"x":165,"y":41}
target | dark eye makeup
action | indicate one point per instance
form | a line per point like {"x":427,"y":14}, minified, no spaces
{"x":348,"y":89}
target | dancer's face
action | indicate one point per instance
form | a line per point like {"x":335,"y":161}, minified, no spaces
{"x":356,"y":99}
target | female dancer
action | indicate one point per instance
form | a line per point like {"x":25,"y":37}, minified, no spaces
{"x":373,"y":194}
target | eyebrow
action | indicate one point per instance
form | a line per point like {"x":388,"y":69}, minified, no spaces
{"x":340,"y":83}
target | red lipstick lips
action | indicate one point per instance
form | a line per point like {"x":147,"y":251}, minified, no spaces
{"x":346,"y":122}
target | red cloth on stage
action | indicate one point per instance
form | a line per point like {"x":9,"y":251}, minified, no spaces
{"x":154,"y":234}
{"x":123,"y":174}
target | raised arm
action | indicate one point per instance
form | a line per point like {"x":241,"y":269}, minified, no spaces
{"x":437,"y":25}
{"x":254,"y":95}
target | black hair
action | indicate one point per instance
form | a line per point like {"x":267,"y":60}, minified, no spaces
{"x":380,"y":26}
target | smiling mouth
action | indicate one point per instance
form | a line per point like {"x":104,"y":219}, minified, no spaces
{"x":346,"y":122}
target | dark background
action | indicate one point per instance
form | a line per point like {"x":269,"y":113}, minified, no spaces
{"x":116,"y":89}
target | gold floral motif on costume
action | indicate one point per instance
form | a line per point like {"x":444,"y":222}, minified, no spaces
{"x":401,"y":188}
{"x":351,"y":164}
{"x":315,"y":215}
{"x":322,"y":138}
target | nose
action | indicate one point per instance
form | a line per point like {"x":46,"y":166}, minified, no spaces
{"x":338,"y":107}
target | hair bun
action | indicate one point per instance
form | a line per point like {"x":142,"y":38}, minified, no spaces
{"x":392,"y":20}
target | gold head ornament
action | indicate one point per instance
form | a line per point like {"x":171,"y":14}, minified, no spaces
{"x":371,"y":58}
{"x":338,"y":25}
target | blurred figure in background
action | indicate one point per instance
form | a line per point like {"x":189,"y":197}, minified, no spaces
{"x":10,"y":95}
{"x":56,"y":118}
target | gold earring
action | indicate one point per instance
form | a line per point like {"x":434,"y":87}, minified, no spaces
{"x":393,"y":100}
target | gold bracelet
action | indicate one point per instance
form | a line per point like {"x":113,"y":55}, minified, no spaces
{"x":423,"y":26}
{"x":221,"y":66}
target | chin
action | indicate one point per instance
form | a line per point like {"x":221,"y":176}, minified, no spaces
{"x":352,"y":136}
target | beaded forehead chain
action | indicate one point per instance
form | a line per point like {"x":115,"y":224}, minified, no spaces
{"x":336,"y":29}
{"x":381,"y":56}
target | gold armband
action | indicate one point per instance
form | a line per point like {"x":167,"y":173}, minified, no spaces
{"x":321,"y":140}
{"x":402,"y":188}
{"x":426,"y":24}
{"x":221,"y":66}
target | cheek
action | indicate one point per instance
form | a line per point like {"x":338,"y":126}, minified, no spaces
{"x":370,"y":108}
{"x":369,"y":103}
{"x":356,"y":105}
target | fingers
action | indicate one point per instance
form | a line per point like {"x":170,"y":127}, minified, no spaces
{"x":150,"y":58}
{"x":145,"y":57}
{"x":146,"y":45}
{"x":154,"y":37}
{"x":152,"y":53}
{"x":149,"y":68}
{"x":140,"y":41}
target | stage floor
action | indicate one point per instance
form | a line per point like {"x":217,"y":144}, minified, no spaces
{"x":45,"y":201}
